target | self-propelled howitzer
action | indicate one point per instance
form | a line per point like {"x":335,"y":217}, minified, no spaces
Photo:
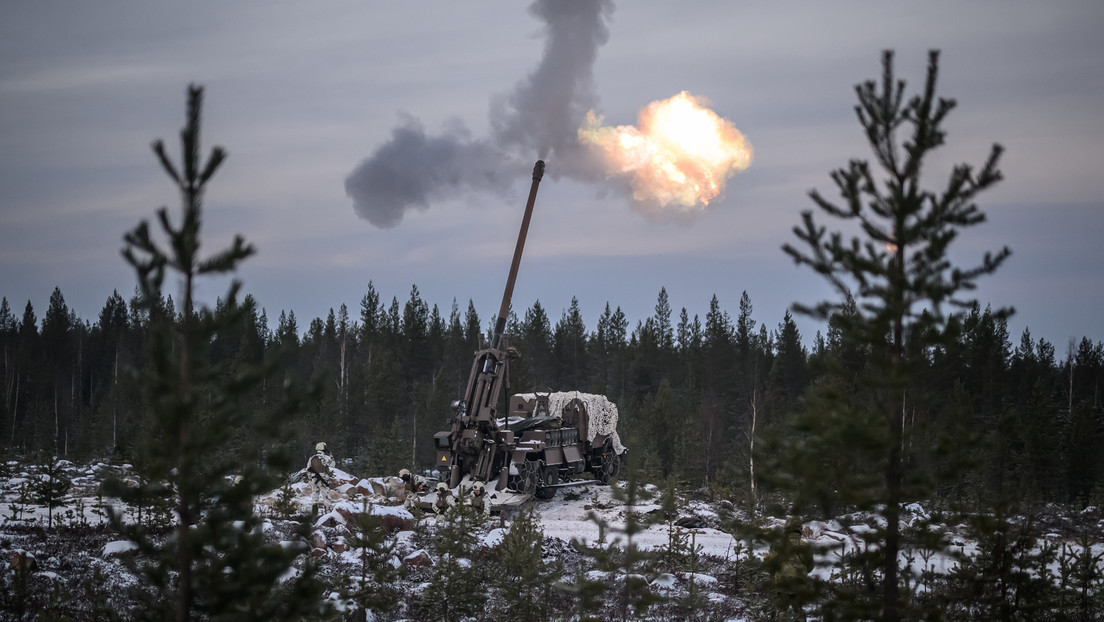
{"x":541,"y":448}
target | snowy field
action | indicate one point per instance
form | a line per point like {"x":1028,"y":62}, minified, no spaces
{"x":80,"y":540}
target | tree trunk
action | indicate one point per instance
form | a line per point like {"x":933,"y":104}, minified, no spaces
{"x":15,"y":406}
{"x":115,"y":404}
{"x":751,"y":447}
{"x":57,"y":425}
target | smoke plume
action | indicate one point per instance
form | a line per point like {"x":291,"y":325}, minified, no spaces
{"x":539,"y":117}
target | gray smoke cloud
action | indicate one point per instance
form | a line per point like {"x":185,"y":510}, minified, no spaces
{"x":539,"y":117}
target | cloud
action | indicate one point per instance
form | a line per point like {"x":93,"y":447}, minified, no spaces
{"x":539,"y":117}
{"x":413,"y":169}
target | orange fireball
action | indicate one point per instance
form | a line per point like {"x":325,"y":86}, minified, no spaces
{"x":679,"y":157}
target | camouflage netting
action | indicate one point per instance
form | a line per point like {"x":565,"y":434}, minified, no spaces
{"x":601,"y":412}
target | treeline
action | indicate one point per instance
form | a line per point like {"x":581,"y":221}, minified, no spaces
{"x":694,"y":394}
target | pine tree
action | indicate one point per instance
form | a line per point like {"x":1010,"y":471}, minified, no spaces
{"x":217,"y":563}
{"x":56,"y":338}
{"x":526,"y":577}
{"x":9,"y":331}
{"x":897,"y":267}
{"x":51,"y":486}
{"x":569,"y":349}
{"x":373,"y":588}
{"x":451,"y":593}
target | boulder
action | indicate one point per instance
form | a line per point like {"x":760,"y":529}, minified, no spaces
{"x":22,"y":561}
{"x":393,"y":518}
{"x":419,"y":558}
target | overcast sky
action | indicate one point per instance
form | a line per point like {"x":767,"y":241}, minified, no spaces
{"x":304,"y":94}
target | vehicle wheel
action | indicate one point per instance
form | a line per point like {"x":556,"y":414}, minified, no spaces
{"x":550,"y":476}
{"x":609,"y":464}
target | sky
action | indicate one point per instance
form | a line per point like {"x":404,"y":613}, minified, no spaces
{"x":392,"y":144}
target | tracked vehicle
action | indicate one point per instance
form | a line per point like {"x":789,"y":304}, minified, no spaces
{"x":542,"y":442}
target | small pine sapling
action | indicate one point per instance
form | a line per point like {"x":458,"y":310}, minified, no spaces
{"x":217,"y":561}
{"x":18,"y":504}
{"x":51,"y":486}
{"x":525,"y":577}
{"x":285,"y":505}
{"x":894,"y":279}
{"x":451,"y":594}
{"x":373,"y":590}
{"x":674,"y":555}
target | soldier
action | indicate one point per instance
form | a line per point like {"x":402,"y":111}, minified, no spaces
{"x":320,"y":474}
{"x":789,"y":563}
{"x":445,"y":500}
{"x":479,"y":498}
{"x":413,"y":485}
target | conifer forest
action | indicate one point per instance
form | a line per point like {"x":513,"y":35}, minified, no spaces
{"x":693,"y":392}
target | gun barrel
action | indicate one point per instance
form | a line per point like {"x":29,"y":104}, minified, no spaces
{"x":504,"y":310}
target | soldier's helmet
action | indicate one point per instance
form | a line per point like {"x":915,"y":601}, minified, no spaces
{"x":321,"y":447}
{"x":479,"y":488}
{"x":442,"y":488}
{"x":404,"y":475}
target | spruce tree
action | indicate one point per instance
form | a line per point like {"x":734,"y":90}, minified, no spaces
{"x":896,"y":266}
{"x":216,"y":563}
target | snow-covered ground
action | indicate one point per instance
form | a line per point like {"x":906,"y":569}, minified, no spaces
{"x":725,"y":573}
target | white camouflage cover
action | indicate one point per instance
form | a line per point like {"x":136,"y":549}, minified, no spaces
{"x":601,"y":412}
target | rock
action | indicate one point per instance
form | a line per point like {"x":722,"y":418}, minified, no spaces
{"x":691,"y":522}
{"x":392,"y":518}
{"x":419,"y":558}
{"x":333,"y":519}
{"x":340,"y":546}
{"x":397,"y":522}
{"x":318,"y":552}
{"x":22,"y":561}
{"x":318,"y":540}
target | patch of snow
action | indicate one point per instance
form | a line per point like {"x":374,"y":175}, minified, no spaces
{"x":321,"y":520}
{"x":596,"y":575}
{"x":703,"y":580}
{"x":665,"y":581}
{"x":118,"y":547}
{"x":494,"y":537}
{"x":714,"y":597}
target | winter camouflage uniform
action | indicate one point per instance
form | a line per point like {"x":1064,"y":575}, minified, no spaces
{"x":789,"y":563}
{"x":444,"y":501}
{"x":479,"y":499}
{"x":413,"y":486}
{"x":320,"y":473}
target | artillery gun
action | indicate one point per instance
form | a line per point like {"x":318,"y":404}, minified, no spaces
{"x":545,"y":439}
